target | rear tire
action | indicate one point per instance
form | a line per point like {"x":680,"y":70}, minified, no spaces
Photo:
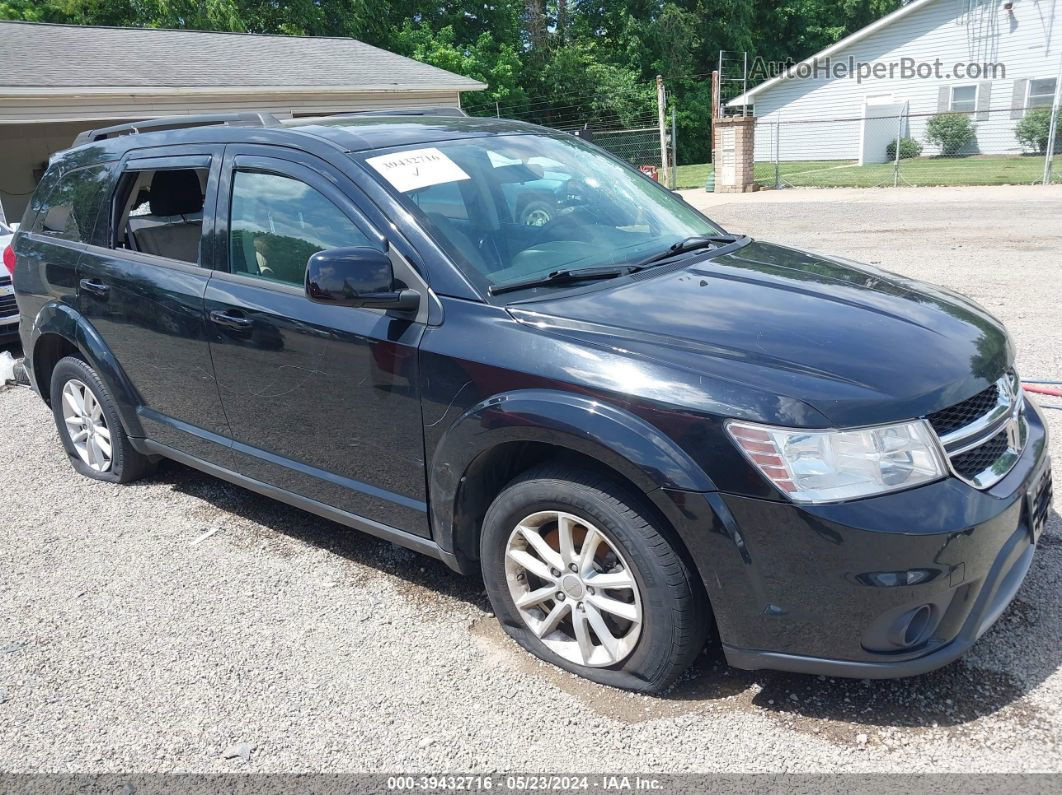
{"x":647,"y":618}
{"x":89,"y":426}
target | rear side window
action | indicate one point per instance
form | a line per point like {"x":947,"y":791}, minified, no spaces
{"x":72,"y":207}
{"x":162,"y":212}
{"x":277,"y":223}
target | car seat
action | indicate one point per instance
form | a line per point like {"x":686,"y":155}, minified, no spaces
{"x":175,"y":225}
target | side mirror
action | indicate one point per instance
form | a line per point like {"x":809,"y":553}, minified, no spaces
{"x":356,"y":277}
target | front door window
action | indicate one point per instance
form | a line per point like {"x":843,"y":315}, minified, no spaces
{"x":277,"y":223}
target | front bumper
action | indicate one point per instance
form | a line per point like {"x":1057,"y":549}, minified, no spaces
{"x":820,"y":589}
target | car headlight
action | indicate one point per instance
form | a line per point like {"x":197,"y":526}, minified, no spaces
{"x":832,"y":465}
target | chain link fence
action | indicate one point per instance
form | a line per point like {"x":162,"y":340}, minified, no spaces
{"x":894,"y":146}
{"x":637,"y":143}
{"x":634,"y":138}
{"x":943,"y":138}
{"x":639,"y":146}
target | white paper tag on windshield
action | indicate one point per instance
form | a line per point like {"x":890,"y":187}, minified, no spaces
{"x":417,"y":168}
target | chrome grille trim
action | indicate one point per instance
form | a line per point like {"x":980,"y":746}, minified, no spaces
{"x":1007,"y":417}
{"x":984,"y":427}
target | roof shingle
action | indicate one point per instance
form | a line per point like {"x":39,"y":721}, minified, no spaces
{"x":36,"y":55}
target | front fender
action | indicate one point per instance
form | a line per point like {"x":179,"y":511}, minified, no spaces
{"x":65,"y":321}
{"x":620,"y":440}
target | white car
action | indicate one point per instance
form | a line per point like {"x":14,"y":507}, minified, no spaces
{"x":8,"y":308}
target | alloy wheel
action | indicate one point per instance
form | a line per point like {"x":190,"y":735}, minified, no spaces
{"x":537,"y":217}
{"x":573,"y":588}
{"x":86,"y":425}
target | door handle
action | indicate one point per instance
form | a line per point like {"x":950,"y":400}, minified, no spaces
{"x":95,"y":287}
{"x":230,"y":319}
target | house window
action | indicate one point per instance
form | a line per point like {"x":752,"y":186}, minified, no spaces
{"x":1041,"y":93}
{"x":963,"y":99}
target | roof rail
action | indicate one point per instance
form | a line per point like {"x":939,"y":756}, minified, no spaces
{"x":442,"y":110}
{"x":175,"y":122}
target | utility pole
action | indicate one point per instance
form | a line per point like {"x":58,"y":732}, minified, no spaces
{"x":660,"y":101}
{"x":778,"y":153}
{"x":674,"y":147}
{"x":714,"y":115}
{"x":896,"y":154}
{"x":1052,"y":126}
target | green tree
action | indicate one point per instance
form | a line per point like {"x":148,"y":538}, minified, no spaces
{"x":192,"y":14}
{"x":1034,"y":129}
{"x":556,"y":62}
{"x":29,"y":11}
{"x":485,"y":60}
{"x":950,"y":131}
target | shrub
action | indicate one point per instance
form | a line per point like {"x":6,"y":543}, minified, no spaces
{"x":950,"y":131}
{"x":1033,"y":130}
{"x":909,"y":147}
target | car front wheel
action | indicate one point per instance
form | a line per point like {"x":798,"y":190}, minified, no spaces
{"x":581,"y":575}
{"x":537,"y":213}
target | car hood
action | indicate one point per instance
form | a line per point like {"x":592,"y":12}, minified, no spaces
{"x":768,"y":325}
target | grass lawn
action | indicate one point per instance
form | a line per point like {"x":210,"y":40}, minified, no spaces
{"x":974,"y":170}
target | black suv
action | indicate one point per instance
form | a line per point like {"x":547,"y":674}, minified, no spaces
{"x":635,"y":425}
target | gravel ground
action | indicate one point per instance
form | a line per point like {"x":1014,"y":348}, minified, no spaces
{"x":159,"y":626}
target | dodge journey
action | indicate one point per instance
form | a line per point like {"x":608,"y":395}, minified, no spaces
{"x":500,"y":346}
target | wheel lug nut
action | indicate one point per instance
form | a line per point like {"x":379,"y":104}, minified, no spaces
{"x":555,"y":572}
{"x":580,"y":606}
{"x":560,"y":596}
{"x":573,"y":567}
{"x":590,"y":590}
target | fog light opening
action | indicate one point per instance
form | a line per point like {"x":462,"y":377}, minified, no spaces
{"x":913,"y":626}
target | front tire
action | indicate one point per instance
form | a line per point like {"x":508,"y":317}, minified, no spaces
{"x":89,"y":426}
{"x":581,"y":575}
{"x":537,"y":213}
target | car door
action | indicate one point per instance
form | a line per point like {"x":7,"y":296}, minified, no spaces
{"x":61,"y":224}
{"x":142,"y":290}
{"x":322,"y":400}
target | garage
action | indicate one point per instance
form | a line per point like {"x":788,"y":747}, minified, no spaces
{"x":58,"y":80}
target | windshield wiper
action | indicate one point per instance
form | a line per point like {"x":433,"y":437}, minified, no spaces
{"x":560,"y":277}
{"x":684,"y":245}
{"x":569,"y":276}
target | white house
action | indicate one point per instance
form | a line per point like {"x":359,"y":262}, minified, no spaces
{"x":57,"y":80}
{"x":991,"y":59}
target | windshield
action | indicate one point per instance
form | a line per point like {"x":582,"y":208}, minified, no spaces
{"x":512,"y":208}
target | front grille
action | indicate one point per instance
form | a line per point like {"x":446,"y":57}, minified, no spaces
{"x":8,"y":307}
{"x":984,"y":435}
{"x":962,"y":414}
{"x":973,"y":462}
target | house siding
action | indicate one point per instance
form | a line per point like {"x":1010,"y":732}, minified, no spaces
{"x":821,"y":119}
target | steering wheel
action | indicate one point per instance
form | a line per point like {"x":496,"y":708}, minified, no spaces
{"x":572,"y":225}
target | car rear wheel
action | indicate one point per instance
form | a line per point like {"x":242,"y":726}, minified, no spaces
{"x":89,"y":427}
{"x":581,"y":575}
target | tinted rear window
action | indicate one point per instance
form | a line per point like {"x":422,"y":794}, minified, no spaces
{"x":72,"y":207}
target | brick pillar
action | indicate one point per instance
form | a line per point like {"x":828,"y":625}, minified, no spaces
{"x":734,"y":154}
